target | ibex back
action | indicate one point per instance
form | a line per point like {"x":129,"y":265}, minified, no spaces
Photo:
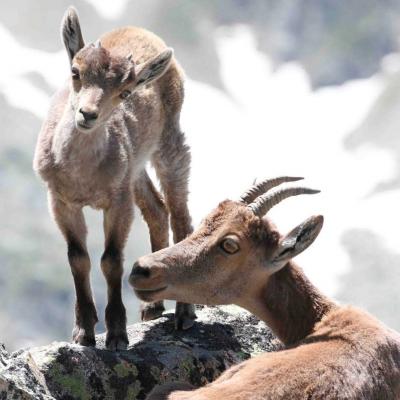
{"x":119,"y":109}
{"x":237,"y":256}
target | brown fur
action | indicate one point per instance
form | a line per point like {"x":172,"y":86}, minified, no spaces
{"x":92,"y":151}
{"x":332,"y":351}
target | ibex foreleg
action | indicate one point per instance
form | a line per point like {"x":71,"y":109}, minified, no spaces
{"x":72,"y":224}
{"x":117,"y":222}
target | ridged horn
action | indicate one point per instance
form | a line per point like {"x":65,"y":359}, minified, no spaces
{"x":268,"y":200}
{"x":265,"y":185}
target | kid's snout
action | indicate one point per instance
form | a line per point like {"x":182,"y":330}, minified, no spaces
{"x":85,"y":118}
{"x":89,"y":114}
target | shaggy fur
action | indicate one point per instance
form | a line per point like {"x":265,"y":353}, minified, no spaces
{"x":332,"y":352}
{"x":119,"y":110}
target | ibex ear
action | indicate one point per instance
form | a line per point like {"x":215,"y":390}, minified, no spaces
{"x":297,"y":240}
{"x":151,"y":70}
{"x":71,"y":33}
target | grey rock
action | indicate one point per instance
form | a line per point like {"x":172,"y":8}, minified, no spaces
{"x":20,"y":378}
{"x":221,"y":337}
{"x":4,"y":356}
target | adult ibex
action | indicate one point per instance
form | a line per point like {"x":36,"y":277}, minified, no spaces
{"x":237,"y":256}
{"x":119,"y":109}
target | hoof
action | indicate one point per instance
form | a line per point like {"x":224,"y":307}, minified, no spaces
{"x":82,"y":337}
{"x":149,"y":311}
{"x":117,"y":342}
{"x":184,"y":316}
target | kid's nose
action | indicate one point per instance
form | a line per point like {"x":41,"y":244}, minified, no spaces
{"x":88,"y":114}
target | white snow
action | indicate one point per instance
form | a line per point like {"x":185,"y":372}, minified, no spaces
{"x":110,"y":9}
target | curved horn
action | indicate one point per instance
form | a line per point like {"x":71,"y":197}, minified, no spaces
{"x":265,"y":185}
{"x":265,"y":202}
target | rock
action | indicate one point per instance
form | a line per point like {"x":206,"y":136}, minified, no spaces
{"x":20,"y":378}
{"x":3,"y":355}
{"x":221,"y":337}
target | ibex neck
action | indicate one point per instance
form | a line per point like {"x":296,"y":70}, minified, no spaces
{"x":291,"y":305}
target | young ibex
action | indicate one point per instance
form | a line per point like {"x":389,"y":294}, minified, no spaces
{"x":237,"y":256}
{"x":119,"y":109}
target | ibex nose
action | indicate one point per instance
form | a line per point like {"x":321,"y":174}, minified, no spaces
{"x":88,"y":115}
{"x":140,"y":271}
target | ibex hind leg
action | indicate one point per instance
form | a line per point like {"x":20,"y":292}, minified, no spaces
{"x":155,"y":213}
{"x":172,"y":164}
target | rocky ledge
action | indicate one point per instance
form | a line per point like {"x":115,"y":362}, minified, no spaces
{"x":222,"y":336}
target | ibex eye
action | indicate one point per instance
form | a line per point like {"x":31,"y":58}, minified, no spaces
{"x":125,"y":94}
{"x":230,"y":245}
{"x":75,"y":73}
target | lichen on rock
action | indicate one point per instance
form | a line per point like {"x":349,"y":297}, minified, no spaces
{"x":157,"y":353}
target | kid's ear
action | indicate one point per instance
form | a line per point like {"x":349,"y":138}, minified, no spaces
{"x":297,"y":240}
{"x":153,"y":69}
{"x":71,"y":33}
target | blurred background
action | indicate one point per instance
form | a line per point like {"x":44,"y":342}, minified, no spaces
{"x":273,"y":87}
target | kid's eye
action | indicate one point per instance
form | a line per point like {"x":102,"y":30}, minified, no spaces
{"x":230,"y":245}
{"x":125,"y":94}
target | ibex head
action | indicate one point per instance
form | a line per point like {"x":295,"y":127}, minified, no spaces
{"x":101,"y":80}
{"x":229,"y":258}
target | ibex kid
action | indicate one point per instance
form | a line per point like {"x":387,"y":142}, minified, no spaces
{"x":119,"y":109}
